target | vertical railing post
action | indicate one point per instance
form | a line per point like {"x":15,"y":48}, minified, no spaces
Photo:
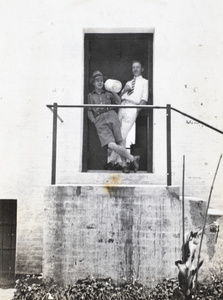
{"x":168,"y":136}
{"x":54,"y":145}
{"x":183,"y":208}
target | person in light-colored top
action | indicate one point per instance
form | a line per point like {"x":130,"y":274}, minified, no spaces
{"x":135,"y":92}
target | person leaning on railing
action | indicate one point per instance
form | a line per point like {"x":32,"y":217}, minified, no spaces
{"x":106,"y":120}
{"x":135,"y":92}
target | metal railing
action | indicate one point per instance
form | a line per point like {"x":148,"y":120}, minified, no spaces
{"x":168,"y":108}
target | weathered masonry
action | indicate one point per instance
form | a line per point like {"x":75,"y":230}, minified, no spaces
{"x":111,"y":231}
{"x":120,"y":231}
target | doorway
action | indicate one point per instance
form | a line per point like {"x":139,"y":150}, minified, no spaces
{"x":113,"y":54}
{"x":8,"y":211}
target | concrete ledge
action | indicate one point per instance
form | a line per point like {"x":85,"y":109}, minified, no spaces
{"x":115,"y":178}
{"x":195,"y":199}
{"x":215,"y":212}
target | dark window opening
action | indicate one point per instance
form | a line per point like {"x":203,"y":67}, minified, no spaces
{"x":113,"y":54}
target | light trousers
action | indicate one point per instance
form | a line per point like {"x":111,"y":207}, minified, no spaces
{"x":127,"y":116}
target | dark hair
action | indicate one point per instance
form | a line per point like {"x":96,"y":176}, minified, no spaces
{"x":138,"y":61}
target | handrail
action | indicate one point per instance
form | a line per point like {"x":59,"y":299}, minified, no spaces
{"x":50,"y":106}
{"x":197,"y":120}
{"x":108,"y":105}
{"x":168,"y":108}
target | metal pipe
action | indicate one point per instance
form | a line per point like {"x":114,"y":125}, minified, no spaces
{"x":50,"y":106}
{"x":183,"y":207}
{"x":61,"y":120}
{"x":54,"y":144}
{"x":197,"y":120}
{"x":107,"y":105}
{"x":168,"y":136}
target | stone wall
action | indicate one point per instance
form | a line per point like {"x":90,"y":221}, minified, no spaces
{"x":111,"y":231}
{"x":29,"y":242}
{"x":102,"y":230}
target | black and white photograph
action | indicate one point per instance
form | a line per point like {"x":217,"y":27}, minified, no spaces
{"x":111,"y":147}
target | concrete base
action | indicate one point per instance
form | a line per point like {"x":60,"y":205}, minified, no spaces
{"x":130,"y":232}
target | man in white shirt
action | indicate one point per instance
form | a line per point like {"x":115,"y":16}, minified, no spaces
{"x":135,"y":92}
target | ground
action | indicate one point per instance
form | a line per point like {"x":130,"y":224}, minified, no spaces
{"x":6,"y":294}
{"x":7,"y":287}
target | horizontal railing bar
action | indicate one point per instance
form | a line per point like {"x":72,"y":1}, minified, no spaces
{"x":108,"y":105}
{"x":197,"y":120}
{"x":50,"y":106}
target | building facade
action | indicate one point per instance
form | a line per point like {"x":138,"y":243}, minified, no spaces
{"x":47,"y":59}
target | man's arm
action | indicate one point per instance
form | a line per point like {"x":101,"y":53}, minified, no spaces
{"x":91,"y":116}
{"x":126,"y":89}
{"x":116,"y":98}
{"x":90,"y":111}
{"x":142,"y":102}
{"x":144,"y":95}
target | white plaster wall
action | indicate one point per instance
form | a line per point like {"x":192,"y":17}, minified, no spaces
{"x":41,"y":62}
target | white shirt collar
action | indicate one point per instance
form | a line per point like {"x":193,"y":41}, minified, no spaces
{"x":138,"y":77}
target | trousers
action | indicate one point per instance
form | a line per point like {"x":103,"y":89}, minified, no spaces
{"x":127,"y":117}
{"x":108,"y":128}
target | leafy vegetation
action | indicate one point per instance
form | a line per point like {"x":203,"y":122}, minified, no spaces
{"x":35,"y":287}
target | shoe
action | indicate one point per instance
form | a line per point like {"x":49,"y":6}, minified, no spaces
{"x":125,"y":170}
{"x":136,"y":163}
{"x":117,"y":167}
{"x":108,"y":166}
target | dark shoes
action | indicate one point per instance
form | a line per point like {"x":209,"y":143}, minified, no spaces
{"x":110,"y":166}
{"x":136,"y":163}
{"x":117,"y":167}
{"x":125,"y":170}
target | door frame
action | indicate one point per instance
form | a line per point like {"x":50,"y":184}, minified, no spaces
{"x":85,"y":155}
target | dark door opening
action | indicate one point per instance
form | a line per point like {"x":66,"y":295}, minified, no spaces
{"x":113,"y":54}
{"x":8,"y":210}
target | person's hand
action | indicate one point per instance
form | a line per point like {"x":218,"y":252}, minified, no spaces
{"x":127,"y":88}
{"x":113,"y":89}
